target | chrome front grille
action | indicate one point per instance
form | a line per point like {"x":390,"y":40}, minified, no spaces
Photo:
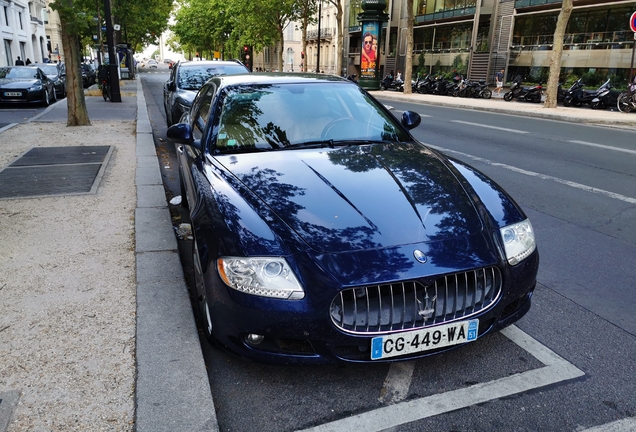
{"x":412,"y":304}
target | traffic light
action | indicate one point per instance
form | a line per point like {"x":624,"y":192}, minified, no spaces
{"x":246,"y":57}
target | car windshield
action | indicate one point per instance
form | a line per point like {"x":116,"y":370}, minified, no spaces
{"x":268,"y":117}
{"x":18,"y":72}
{"x":49,"y":70}
{"x":193,"y":77}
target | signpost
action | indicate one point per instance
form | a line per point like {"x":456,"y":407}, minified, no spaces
{"x":632,"y":25}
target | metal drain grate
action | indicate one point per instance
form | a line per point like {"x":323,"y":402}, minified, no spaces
{"x":45,"y":171}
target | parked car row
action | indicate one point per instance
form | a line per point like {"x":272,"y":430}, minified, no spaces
{"x":26,"y":85}
{"x":294,"y":259}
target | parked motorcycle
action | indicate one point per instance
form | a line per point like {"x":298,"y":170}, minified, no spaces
{"x":606,"y":98}
{"x":517,"y":91}
{"x":626,"y":101}
{"x":426,"y":85}
{"x":577,"y":95}
{"x":389,"y":83}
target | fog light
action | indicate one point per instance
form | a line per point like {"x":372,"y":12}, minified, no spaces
{"x":254,"y":339}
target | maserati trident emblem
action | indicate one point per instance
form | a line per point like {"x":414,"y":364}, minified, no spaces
{"x":427,"y":309}
{"x":419,"y":256}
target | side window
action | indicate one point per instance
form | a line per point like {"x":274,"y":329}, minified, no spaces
{"x":201,"y":110}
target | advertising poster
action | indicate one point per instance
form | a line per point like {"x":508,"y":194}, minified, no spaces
{"x":369,"y":53}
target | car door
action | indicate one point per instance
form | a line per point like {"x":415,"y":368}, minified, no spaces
{"x":191,"y":159}
{"x":168,"y":94}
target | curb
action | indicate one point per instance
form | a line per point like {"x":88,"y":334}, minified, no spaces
{"x":172,"y":384}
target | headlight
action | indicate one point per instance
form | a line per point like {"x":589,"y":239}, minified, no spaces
{"x":36,"y":87}
{"x":518,"y":241}
{"x":263,"y":276}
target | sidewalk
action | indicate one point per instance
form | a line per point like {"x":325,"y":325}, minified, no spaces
{"x":96,"y":327}
{"x":528,"y":109}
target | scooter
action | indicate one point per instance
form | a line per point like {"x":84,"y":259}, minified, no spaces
{"x":388,"y":83}
{"x":578,"y":96}
{"x":530,"y":94}
{"x":606,"y":98}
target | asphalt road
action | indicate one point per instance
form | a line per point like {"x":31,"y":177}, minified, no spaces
{"x":568,"y":365}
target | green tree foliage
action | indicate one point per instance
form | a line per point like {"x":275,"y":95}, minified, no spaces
{"x":203,"y":26}
{"x":142,"y":21}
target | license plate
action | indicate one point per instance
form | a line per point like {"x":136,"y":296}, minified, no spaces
{"x":12,"y":94}
{"x":423,"y":340}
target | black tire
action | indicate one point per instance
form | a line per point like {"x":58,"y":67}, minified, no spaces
{"x":47,"y":98}
{"x":54,"y":95}
{"x":507,"y":96}
{"x":567,"y":101}
{"x":486,"y":94}
{"x":382,"y":86}
{"x":184,"y":197}
{"x":623,"y":104}
{"x":597,"y":105}
{"x":534,"y":97}
{"x":203,"y":310}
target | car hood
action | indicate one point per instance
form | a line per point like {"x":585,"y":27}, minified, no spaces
{"x":359,"y":197}
{"x":11,"y":83}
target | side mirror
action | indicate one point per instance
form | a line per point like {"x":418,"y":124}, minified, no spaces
{"x":181,"y":133}
{"x":411,"y":119}
{"x":172,"y":86}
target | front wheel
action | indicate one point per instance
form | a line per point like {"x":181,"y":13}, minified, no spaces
{"x":508,"y":96}
{"x":486,"y":94}
{"x":623,"y":103}
{"x":567,"y":101}
{"x":382,"y":87}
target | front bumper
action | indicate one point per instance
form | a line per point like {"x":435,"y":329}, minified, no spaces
{"x":302,"y":333}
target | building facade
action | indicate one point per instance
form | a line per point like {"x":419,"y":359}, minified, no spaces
{"x":22,"y":31}
{"x":479,"y":38}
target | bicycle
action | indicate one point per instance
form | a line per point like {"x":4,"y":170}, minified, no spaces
{"x":104,"y":79}
{"x":626,"y":101}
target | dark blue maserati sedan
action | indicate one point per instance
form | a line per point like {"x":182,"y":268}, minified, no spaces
{"x":323,"y":231}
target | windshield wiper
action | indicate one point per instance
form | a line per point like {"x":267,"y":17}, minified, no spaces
{"x":310,"y":144}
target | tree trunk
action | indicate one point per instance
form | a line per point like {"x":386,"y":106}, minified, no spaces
{"x":340,"y":30}
{"x":76,"y":104}
{"x":557,"y":51}
{"x":281,"y":45}
{"x":408,"y":68}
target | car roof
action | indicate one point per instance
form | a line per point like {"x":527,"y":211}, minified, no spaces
{"x":278,"y":78}
{"x":207,"y":63}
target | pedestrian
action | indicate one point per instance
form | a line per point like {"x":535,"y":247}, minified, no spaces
{"x":19,"y":62}
{"x":28,"y":61}
{"x":499,"y":76}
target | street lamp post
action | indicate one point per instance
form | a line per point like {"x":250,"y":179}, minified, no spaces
{"x":112,"y":63}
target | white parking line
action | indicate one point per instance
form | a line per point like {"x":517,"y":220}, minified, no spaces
{"x":625,"y":425}
{"x":491,"y":127}
{"x":541,"y":176}
{"x":556,"y":370}
{"x":603,"y":146}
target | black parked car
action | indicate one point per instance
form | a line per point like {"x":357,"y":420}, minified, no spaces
{"x":25,"y":84}
{"x":56,"y":73}
{"x":186,"y":78}
{"x":89,"y":75}
{"x":324,"y":231}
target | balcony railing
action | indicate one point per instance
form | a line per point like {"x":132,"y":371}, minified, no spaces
{"x":574,"y":41}
{"x":324,"y":33}
{"x":452,"y":13}
{"x":528,"y":3}
{"x":36,"y":21}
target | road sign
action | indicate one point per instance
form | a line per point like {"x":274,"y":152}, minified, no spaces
{"x":632,"y":22}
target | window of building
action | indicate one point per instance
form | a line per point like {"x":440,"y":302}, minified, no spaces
{"x":6,"y":16}
{"x":7,"y":52}
{"x":20,"y":20}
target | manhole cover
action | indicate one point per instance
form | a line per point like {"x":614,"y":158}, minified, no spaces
{"x":44,"y":171}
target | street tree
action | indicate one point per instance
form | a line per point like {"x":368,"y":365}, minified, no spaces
{"x":340,"y":34}
{"x":557,"y":52}
{"x":261,"y":22}
{"x":408,"y":68}
{"x":202,"y":25}
{"x":141,"y":21}
{"x":75,"y":20}
{"x":306,"y":15}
